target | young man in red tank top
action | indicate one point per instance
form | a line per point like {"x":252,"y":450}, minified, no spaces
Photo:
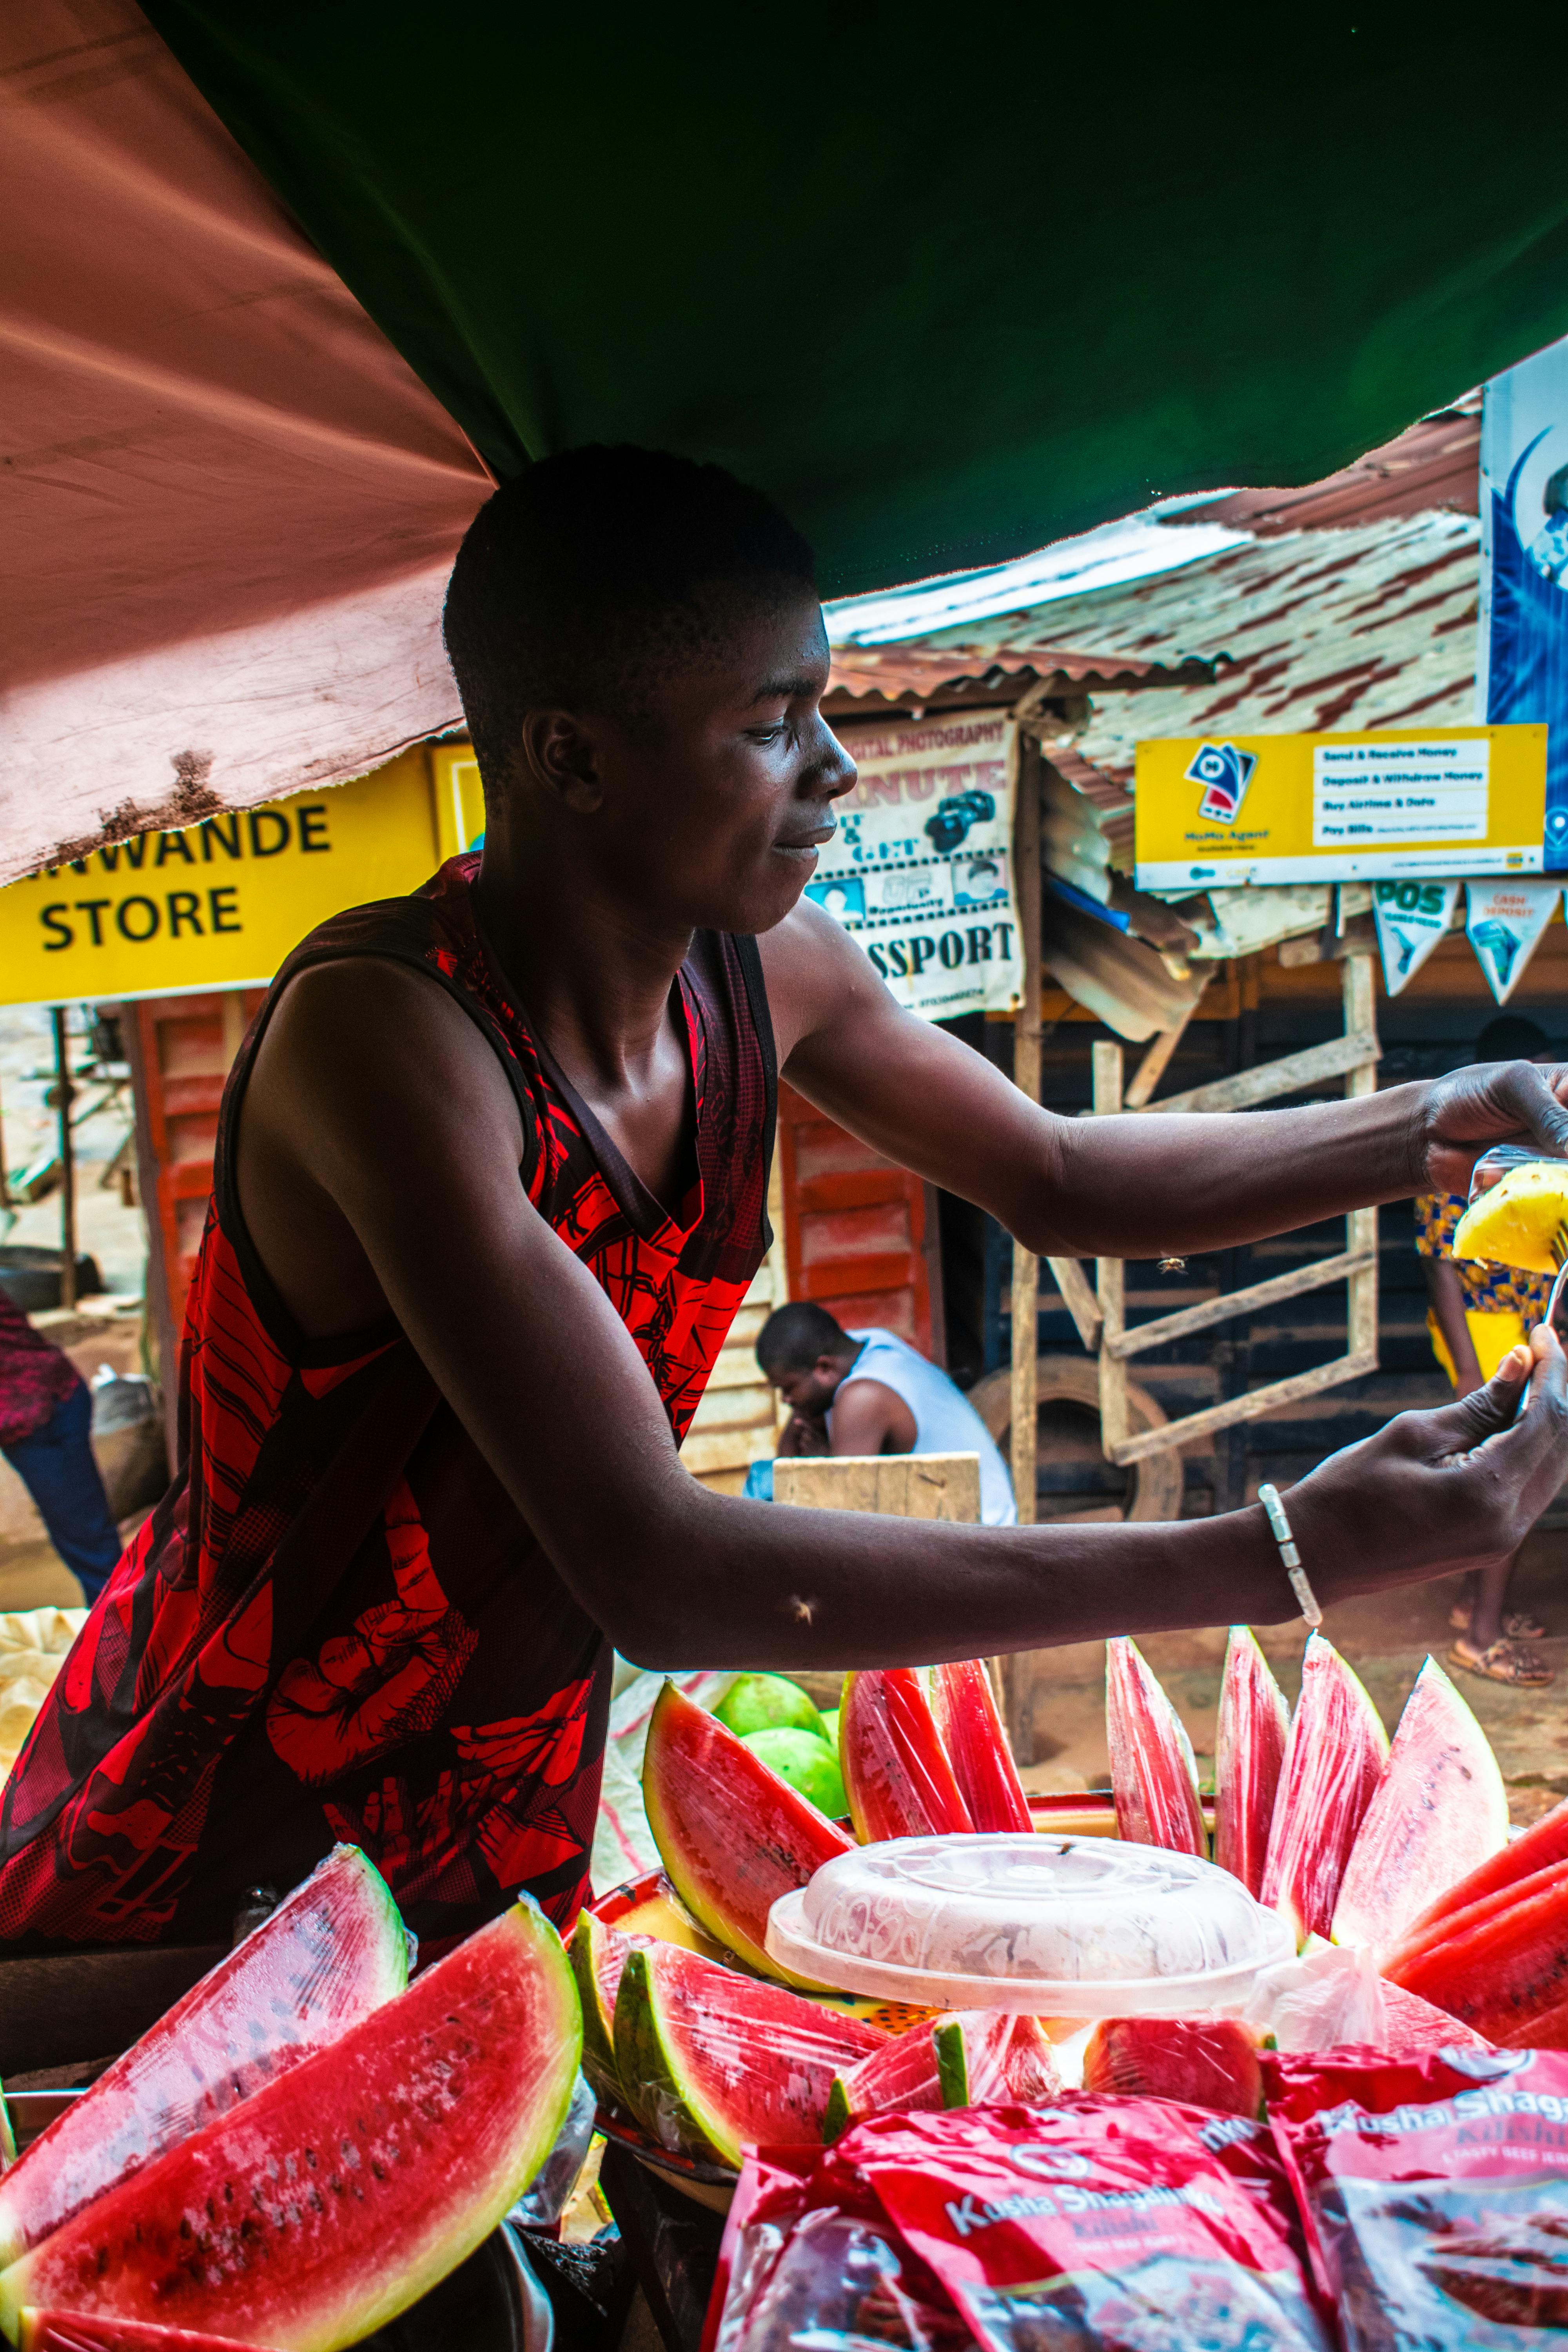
{"x":490,"y":1189}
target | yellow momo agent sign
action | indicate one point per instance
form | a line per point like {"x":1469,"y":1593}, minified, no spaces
{"x":219,"y":904}
{"x":1338,"y":808}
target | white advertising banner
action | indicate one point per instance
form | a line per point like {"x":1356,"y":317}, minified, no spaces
{"x":1412,"y":918}
{"x":921,"y":869}
{"x":1505,"y":920}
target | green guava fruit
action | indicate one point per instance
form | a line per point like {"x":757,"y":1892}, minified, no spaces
{"x":764,"y":1703}
{"x":830,"y":1728}
{"x":806,"y":1762}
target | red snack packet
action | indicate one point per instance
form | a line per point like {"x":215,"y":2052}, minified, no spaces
{"x":1434,"y":2188}
{"x":1101,"y":2225}
{"x":808,"y":2261}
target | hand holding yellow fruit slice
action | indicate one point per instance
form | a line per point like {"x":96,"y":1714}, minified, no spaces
{"x":1522,"y":1221}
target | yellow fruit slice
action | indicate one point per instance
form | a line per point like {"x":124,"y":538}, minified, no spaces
{"x":1519,"y":1220}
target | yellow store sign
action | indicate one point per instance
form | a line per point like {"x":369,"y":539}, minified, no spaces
{"x":219,"y":904}
{"x":1340,"y":808}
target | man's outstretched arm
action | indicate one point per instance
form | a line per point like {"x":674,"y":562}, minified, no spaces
{"x":407,"y":1140}
{"x":1131,"y":1187}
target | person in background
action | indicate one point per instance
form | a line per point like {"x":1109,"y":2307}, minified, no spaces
{"x":871,"y":1392}
{"x":1477,"y":1314}
{"x":46,"y":1420}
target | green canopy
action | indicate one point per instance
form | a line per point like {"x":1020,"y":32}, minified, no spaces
{"x":949,"y":286}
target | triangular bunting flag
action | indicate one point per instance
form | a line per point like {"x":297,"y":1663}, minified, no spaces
{"x":1412,"y":917}
{"x":1505,"y":920}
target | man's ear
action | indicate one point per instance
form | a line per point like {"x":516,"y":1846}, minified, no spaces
{"x":829,"y":1368}
{"x":560,"y":753}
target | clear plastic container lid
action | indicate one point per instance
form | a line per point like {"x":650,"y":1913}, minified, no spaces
{"x":1057,"y":1926}
{"x":1501,"y":1160}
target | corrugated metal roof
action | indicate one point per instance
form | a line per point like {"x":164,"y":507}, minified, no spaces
{"x":968,"y":662}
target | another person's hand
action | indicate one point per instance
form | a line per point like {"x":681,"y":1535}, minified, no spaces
{"x":801,"y":1437}
{"x":1432,"y":1492}
{"x":1491,"y":1102}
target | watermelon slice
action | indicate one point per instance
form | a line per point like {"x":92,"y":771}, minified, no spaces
{"x":1154,"y":1776}
{"x":733,"y":1836}
{"x":900,"y":1777}
{"x":1250,"y":1751}
{"x":1440,"y":1810}
{"x":709,"y":2058}
{"x":72,"y":2331}
{"x":332,"y":1953}
{"x":972,"y":1732}
{"x":1504,"y":1970}
{"x":1544,"y":1843}
{"x":1208,"y":2061}
{"x":1412,"y":2026}
{"x":598,"y":1954}
{"x":1336,"y":1755}
{"x":969,"y":2058}
{"x":1421,"y":1942}
{"x":341,"y":2191}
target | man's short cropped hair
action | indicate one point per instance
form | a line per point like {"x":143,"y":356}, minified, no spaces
{"x":794,"y":1335}
{"x":587,"y":577}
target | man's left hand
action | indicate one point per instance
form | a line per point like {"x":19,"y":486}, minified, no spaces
{"x":1491,"y":1102}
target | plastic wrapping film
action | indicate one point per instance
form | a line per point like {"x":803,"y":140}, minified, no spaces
{"x":1336,"y":1755}
{"x":1154,"y":1774}
{"x":971,"y":1724}
{"x":1517,"y":1203}
{"x":1434,"y":2192}
{"x":1102,"y":2225}
{"x":899,"y":1775}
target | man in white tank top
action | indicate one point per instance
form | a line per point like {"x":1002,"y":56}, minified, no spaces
{"x":871,"y":1392}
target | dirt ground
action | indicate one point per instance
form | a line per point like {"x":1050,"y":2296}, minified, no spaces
{"x":1386,"y":1637}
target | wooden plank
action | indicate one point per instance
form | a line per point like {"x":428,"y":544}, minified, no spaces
{"x":900,"y":1486}
{"x":1077,"y":1298}
{"x":1314,"y":1063}
{"x":1316,"y":1277}
{"x":1111,"y":1276}
{"x":1023,"y":1406}
{"x":1152,"y":1067}
{"x":1252,"y":1407}
{"x":1361,"y":1226}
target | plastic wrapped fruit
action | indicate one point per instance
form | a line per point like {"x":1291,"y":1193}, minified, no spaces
{"x":1517,"y":1221}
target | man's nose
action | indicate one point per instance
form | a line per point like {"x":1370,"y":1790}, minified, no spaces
{"x":835,"y":772}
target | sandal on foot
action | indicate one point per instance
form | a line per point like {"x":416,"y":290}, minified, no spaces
{"x":1505,"y":1661}
{"x":1518,"y":1623}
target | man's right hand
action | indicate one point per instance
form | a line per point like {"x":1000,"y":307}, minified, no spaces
{"x":1431,"y":1491}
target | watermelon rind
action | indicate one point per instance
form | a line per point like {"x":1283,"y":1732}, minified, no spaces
{"x":732,"y":1834}
{"x":334,"y":1951}
{"x":344,"y":2190}
{"x":73,"y":2331}
{"x":705,"y":2105}
{"x":591,"y":1946}
{"x":1439,"y":1810}
{"x":7,"y":2137}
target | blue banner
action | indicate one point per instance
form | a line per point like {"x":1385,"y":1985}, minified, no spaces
{"x":1523,"y":654}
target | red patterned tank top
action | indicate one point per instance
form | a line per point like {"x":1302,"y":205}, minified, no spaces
{"x":336,"y":1625}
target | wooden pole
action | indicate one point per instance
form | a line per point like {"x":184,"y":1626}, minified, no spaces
{"x":62,"y":1094}
{"x":1023,"y":1398}
{"x":1361,"y":1225}
{"x":1111,"y":1284}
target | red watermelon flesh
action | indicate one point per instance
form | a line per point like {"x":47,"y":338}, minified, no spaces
{"x":1507,"y":1970}
{"x":733,"y":1836}
{"x":899,"y":2079}
{"x":710,"y":2060}
{"x":1154,"y":1776}
{"x":1249,"y":1753}
{"x":1208,"y":2061}
{"x":1334,"y":1759}
{"x":1544,"y":1843}
{"x":340,"y":2192}
{"x":898,"y":1774}
{"x":599,"y":1955}
{"x":1440,"y":1808}
{"x":330,"y":1955}
{"x":1412,"y":2026}
{"x":1547,"y":2030}
{"x":1448,"y":1929}
{"x":73,"y":2331}
{"x":976,"y":1744}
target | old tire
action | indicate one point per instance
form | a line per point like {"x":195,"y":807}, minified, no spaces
{"x":1155,"y":1484}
